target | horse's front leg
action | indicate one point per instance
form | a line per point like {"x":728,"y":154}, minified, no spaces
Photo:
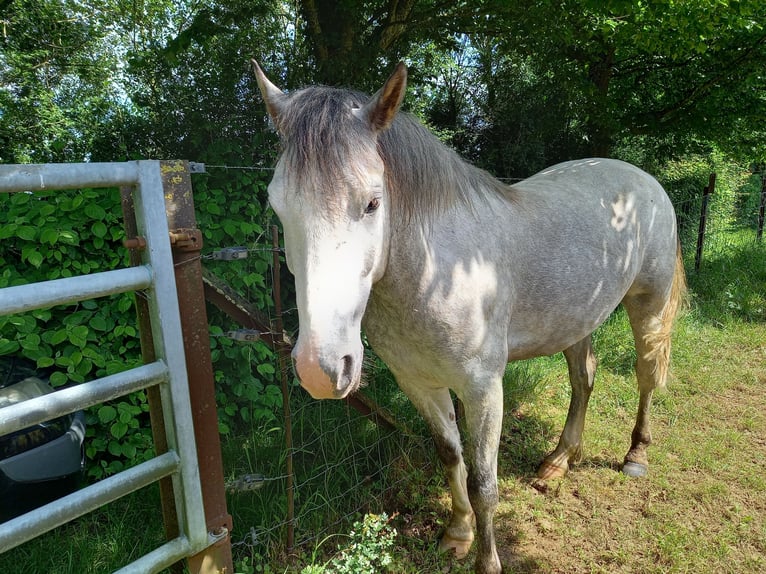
{"x":437,"y":409}
{"x":484,"y":418}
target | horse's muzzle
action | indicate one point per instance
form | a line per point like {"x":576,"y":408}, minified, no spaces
{"x":328,"y":378}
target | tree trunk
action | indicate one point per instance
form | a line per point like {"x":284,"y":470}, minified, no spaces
{"x":346,"y":41}
{"x":600,"y":122}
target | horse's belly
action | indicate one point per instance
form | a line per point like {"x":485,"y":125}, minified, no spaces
{"x":553,"y":323}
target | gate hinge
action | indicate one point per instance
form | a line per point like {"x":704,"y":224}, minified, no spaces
{"x":186,"y":239}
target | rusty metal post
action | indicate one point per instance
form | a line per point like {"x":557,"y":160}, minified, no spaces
{"x":159,"y":438}
{"x":187,"y":243}
{"x":703,"y":220}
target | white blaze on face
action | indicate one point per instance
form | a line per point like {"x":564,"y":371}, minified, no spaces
{"x":335,"y":253}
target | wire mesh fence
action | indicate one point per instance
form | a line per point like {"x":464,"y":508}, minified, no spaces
{"x":712,"y":227}
{"x":344,"y":464}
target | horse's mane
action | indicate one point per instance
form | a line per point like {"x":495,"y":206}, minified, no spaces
{"x":424,"y":176}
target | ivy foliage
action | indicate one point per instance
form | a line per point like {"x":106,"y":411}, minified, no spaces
{"x":231,"y":211}
{"x":46,"y":236}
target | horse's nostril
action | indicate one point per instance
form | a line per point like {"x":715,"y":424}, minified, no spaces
{"x":347,"y":365}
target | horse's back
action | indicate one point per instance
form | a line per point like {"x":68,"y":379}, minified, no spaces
{"x":586,"y":233}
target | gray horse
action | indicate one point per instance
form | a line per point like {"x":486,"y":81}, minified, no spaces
{"x":452,"y":274}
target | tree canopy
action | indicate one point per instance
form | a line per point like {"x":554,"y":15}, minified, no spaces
{"x":513,"y":85}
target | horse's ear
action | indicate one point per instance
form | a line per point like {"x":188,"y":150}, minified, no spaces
{"x":272,"y":95}
{"x":379,"y":112}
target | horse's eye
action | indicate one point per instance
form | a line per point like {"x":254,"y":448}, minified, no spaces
{"x":372,"y":206}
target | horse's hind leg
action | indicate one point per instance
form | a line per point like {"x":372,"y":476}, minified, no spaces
{"x":581,"y":363}
{"x":652,"y":335}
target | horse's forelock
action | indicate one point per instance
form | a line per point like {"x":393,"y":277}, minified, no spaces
{"x":322,"y":139}
{"x":323,"y":142}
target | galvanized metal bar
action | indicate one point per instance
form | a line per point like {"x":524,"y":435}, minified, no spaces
{"x":33,"y":296}
{"x":160,"y":558}
{"x":37,"y":177}
{"x":166,"y":331}
{"x":40,"y":409}
{"x":156,"y":275}
{"x":153,"y":395}
{"x":32,"y":524}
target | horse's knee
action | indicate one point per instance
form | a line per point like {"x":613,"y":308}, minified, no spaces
{"x":449,"y":451}
{"x":482,"y":491}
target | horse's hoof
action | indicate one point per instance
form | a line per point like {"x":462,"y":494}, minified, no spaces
{"x":460,"y":547}
{"x":549,"y":471}
{"x":635,"y":469}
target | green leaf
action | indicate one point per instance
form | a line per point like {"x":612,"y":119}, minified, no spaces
{"x":125,"y":416}
{"x":107,"y":414}
{"x":98,"y":323}
{"x":99,"y":229}
{"x":266,"y":369}
{"x":49,"y":235}
{"x":7,"y":347}
{"x":78,"y":335}
{"x":94,"y":211}
{"x":26,"y":232}
{"x":24,"y":323}
{"x":8,"y":230}
{"x":69,"y":237}
{"x":31,"y":342}
{"x":32,"y":255}
{"x":129,"y":451}
{"x":20,"y":198}
{"x":47,"y":210}
{"x":58,"y":379}
{"x":59,"y":337}
{"x":118,"y":429}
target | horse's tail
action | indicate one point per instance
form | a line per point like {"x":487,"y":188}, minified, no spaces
{"x":658,"y":341}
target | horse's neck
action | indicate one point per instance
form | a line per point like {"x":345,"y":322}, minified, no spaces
{"x":421,"y":249}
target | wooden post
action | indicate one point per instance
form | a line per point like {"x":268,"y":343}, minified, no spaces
{"x":762,"y":210}
{"x":703,"y":220}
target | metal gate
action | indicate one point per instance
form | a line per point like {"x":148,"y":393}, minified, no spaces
{"x":156,"y":277}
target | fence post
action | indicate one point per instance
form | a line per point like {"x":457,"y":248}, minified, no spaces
{"x":283,"y":357}
{"x":709,"y":189}
{"x":762,"y":210}
{"x":186,"y":240}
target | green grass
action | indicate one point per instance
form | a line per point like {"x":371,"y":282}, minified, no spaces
{"x":701,"y":509}
{"x":102,"y":541}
